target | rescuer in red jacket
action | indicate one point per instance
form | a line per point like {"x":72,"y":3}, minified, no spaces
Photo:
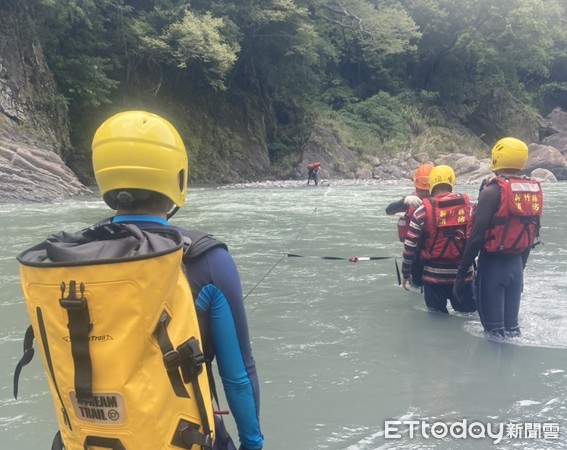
{"x":505,"y":228}
{"x":437,"y":234}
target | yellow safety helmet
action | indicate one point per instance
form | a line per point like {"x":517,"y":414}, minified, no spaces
{"x":441,"y":175}
{"x":140,"y":150}
{"x":421,"y":176}
{"x":509,"y":153}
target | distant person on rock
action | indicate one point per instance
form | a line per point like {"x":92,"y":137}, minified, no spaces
{"x":313,"y":172}
{"x":407,"y":205}
{"x":438,"y":232}
{"x":504,"y":230}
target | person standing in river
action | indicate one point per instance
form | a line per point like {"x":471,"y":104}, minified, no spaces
{"x":195,"y":316}
{"x":505,"y":228}
{"x":407,"y":205}
{"x":141,"y":168}
{"x":437,"y":233}
{"x":313,"y":170}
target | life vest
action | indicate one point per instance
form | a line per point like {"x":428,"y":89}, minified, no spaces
{"x":404,"y":223}
{"x":447,"y":227}
{"x":515,"y":224}
{"x":118,"y":334}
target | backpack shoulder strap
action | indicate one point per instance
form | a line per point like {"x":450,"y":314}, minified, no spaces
{"x":198,"y":242}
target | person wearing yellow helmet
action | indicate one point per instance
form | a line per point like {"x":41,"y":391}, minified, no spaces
{"x":140,"y":162}
{"x":504,"y":230}
{"x":141,"y":168}
{"x":437,"y":234}
{"x":407,"y":205}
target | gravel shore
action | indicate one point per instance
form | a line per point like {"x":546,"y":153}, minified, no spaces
{"x":322,"y":183}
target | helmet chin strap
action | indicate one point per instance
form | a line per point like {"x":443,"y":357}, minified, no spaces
{"x":171,"y":213}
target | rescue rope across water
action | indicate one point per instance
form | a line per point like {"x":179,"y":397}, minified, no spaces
{"x":283,"y":256}
{"x":351,"y":259}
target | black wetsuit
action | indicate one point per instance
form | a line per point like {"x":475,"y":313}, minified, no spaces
{"x":397,"y":207}
{"x":500,"y":275}
{"x":312,"y":175}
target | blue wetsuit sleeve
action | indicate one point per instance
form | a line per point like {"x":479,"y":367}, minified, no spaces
{"x":222,"y":300}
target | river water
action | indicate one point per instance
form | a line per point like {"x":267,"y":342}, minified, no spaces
{"x":347,"y":359}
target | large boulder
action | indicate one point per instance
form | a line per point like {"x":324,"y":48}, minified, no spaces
{"x":499,"y":114}
{"x":555,"y":122}
{"x":471,"y":170}
{"x":543,"y":175}
{"x":449,"y":159}
{"x":557,"y":140}
{"x":481,"y":173}
{"x":466,"y":164}
{"x":546,"y":157}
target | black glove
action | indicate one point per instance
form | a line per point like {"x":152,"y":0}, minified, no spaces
{"x":459,"y":288}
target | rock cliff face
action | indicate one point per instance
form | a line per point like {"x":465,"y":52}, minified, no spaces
{"x":34,"y":136}
{"x":31,"y":171}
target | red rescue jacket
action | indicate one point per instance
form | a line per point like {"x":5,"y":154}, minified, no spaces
{"x":404,"y":221}
{"x":447,"y":227}
{"x":515,"y":224}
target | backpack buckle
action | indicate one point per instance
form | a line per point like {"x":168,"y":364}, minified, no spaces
{"x":72,"y":301}
{"x":171,"y":360}
{"x":192,"y":359}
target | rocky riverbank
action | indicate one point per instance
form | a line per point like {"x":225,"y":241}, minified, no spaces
{"x":545,"y":163}
{"x":30,"y":170}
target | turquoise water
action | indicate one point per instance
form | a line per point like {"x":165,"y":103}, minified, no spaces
{"x":340,"y":347}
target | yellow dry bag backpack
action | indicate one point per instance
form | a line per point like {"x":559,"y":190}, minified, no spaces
{"x":117,"y":330}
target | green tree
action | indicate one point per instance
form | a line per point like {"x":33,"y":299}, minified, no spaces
{"x":77,"y":46}
{"x":167,"y":35}
{"x":277,"y":63}
{"x":470,"y":47}
{"x":370,"y":41}
{"x":200,"y":38}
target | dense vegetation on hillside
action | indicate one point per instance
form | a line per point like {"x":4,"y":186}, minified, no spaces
{"x":379,"y":71}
